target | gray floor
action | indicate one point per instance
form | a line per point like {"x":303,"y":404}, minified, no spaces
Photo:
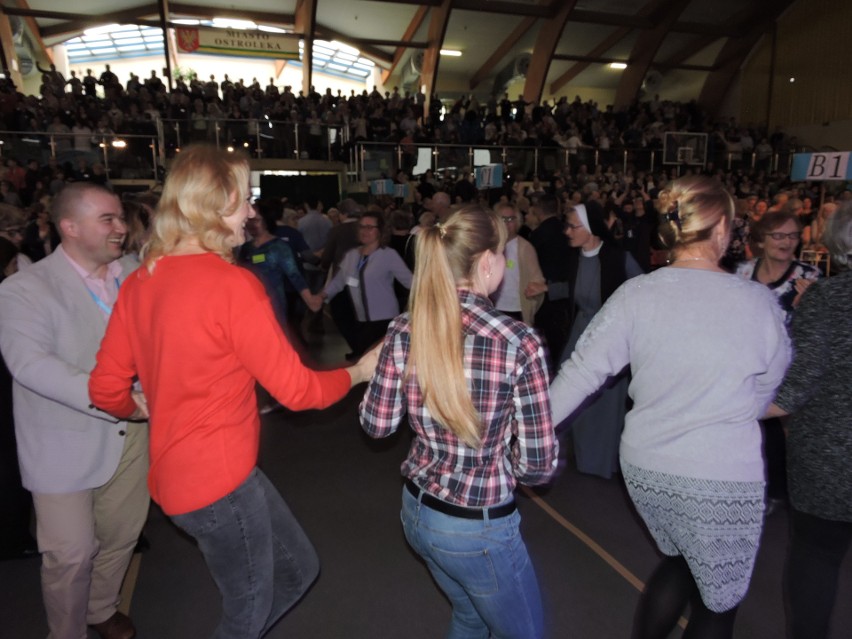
{"x":345,"y":489}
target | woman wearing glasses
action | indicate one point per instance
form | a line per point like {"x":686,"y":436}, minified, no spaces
{"x":777,"y":235}
{"x":368,"y":273}
{"x":596,"y":268}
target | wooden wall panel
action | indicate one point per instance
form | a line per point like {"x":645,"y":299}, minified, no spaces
{"x":813,"y":47}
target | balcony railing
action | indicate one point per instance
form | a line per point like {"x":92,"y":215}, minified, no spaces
{"x":124,"y":156}
{"x":142,"y":155}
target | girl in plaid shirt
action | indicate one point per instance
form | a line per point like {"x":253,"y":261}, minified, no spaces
{"x":474,"y":385}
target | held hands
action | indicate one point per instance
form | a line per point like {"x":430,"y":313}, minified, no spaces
{"x":363,"y":369}
{"x":801,"y":286}
{"x":534,"y":289}
{"x":314,"y":302}
{"x":141,"y":412}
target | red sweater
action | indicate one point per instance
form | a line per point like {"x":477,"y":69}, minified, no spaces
{"x":198,"y":332}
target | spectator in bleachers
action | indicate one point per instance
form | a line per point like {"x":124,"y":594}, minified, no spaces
{"x":13,"y":222}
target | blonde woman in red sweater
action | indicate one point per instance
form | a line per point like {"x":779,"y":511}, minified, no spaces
{"x":198,"y":332}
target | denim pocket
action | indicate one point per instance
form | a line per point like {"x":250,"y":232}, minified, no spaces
{"x":197,"y":522}
{"x":471,"y":568}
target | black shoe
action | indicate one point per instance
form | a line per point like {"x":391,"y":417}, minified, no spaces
{"x":26,"y":550}
{"x":142,"y":544}
{"x":773,"y":505}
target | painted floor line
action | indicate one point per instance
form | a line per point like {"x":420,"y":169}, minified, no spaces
{"x":611,"y":561}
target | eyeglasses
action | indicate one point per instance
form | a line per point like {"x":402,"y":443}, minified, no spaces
{"x":572,"y":227}
{"x":509,"y":218}
{"x":785,"y":236}
{"x":368,"y":226}
{"x":15,"y":231}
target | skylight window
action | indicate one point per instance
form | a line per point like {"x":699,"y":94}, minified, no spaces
{"x":114,"y":41}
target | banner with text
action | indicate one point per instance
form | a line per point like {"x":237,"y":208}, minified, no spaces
{"x":250,"y":43}
{"x":489,"y":176}
{"x":830,"y":165}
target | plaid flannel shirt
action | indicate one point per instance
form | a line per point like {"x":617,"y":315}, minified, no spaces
{"x":507,"y":377}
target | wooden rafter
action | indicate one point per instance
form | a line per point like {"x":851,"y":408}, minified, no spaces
{"x":437,"y":30}
{"x":576,"y":69}
{"x":74,"y":23}
{"x":730,"y":58}
{"x":10,"y":57}
{"x":644,"y":50}
{"x":367,"y":50}
{"x":542,"y":54}
{"x":306,"y":18}
{"x":738,"y":23}
{"x":642,"y":17}
{"x":413,"y":26}
{"x":501,"y":51}
{"x":34,"y":31}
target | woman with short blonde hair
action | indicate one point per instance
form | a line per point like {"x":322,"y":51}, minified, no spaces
{"x":474,"y":385}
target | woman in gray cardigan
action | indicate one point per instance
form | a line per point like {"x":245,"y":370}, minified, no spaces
{"x":690,"y":451}
{"x":819,"y":445}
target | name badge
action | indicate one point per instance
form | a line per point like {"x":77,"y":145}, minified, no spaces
{"x":353,"y":282}
{"x":258,"y":259}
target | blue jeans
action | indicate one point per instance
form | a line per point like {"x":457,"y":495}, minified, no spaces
{"x":483,"y":568}
{"x":257,"y":553}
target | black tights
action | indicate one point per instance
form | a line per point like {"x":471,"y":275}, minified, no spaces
{"x":664,"y":600}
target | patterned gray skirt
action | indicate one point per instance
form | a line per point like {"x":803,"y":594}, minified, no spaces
{"x":715,"y":525}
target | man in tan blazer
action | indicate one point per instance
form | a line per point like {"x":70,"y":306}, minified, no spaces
{"x":86,"y":471}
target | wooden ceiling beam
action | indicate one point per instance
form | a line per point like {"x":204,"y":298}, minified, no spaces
{"x":402,"y":47}
{"x":35,"y":32}
{"x":74,"y":23}
{"x":306,"y":20}
{"x":500,"y":52}
{"x":614,"y":38}
{"x":739,"y":23}
{"x":542,"y":55}
{"x":507,"y":8}
{"x":644,"y":51}
{"x":265,"y":17}
{"x":733,"y":54}
{"x":377,"y":55}
{"x":438,"y":22}
{"x":9,"y":55}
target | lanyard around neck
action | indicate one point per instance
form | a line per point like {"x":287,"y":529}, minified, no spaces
{"x":106,"y":308}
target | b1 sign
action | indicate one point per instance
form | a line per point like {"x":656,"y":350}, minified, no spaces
{"x":821,"y":166}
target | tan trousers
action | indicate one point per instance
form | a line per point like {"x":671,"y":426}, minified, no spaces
{"x":87,"y":538}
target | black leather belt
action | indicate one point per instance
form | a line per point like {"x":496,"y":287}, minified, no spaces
{"x":494,"y":512}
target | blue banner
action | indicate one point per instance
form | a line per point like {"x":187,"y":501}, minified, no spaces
{"x":489,"y":176}
{"x":381,"y":187}
{"x":833,"y":165}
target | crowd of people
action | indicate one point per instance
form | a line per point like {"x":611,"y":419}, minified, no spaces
{"x":590,"y":277}
{"x":80,"y":112}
